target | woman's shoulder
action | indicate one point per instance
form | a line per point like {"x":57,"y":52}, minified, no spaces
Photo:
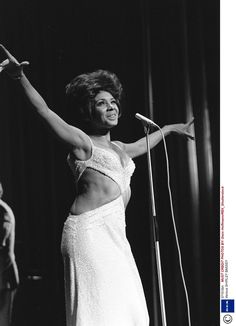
{"x":119,"y":144}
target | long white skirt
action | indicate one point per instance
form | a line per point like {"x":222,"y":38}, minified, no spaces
{"x":102,"y":283}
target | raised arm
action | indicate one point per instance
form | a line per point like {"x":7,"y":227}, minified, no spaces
{"x":73,"y":137}
{"x":140,"y":147}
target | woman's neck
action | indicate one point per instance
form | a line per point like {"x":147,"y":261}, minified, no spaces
{"x":102,"y":138}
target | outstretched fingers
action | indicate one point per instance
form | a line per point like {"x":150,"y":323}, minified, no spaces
{"x":7,"y":53}
{"x":11,"y":63}
{"x":189,"y":136}
{"x":188,"y":125}
{"x":4,"y":63}
{"x":190,"y":122}
{"x":24,"y":63}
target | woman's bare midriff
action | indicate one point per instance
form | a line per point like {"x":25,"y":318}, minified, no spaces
{"x":95,"y":190}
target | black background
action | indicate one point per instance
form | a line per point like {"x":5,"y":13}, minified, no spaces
{"x":62,"y":40}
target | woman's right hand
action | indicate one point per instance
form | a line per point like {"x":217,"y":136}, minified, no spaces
{"x":11,"y":66}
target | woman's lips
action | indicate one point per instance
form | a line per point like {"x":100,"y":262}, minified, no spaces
{"x":112,"y":116}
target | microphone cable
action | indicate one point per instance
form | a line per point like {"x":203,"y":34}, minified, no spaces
{"x":174,"y":225}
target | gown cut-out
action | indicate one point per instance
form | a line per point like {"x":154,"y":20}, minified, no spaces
{"x":102,"y":283}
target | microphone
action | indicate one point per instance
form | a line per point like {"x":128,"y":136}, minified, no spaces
{"x":145,"y":120}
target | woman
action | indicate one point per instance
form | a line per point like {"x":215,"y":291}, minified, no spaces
{"x":102,"y":284}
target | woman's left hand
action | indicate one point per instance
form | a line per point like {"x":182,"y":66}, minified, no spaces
{"x":183,"y":129}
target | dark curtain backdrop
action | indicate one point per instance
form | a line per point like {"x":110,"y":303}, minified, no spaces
{"x":63,"y":39}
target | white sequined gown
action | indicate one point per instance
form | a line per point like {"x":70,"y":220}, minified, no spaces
{"x":102,"y":283}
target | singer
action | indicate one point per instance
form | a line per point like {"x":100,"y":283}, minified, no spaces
{"x":102,"y":283}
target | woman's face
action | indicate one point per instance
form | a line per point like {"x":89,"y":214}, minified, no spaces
{"x":105,"y":112}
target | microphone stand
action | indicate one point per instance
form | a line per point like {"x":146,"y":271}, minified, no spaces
{"x":155,"y":230}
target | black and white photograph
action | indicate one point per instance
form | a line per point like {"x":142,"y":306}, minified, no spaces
{"x":112,"y":207}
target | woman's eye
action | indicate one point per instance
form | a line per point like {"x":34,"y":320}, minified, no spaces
{"x":103,"y":103}
{"x":100,"y":103}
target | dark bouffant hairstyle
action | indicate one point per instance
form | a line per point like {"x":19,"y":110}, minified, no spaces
{"x":82,"y":90}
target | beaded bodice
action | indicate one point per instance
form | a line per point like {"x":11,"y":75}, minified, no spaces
{"x":106,"y":162}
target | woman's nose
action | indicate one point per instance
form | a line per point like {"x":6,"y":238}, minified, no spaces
{"x":110,"y":106}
